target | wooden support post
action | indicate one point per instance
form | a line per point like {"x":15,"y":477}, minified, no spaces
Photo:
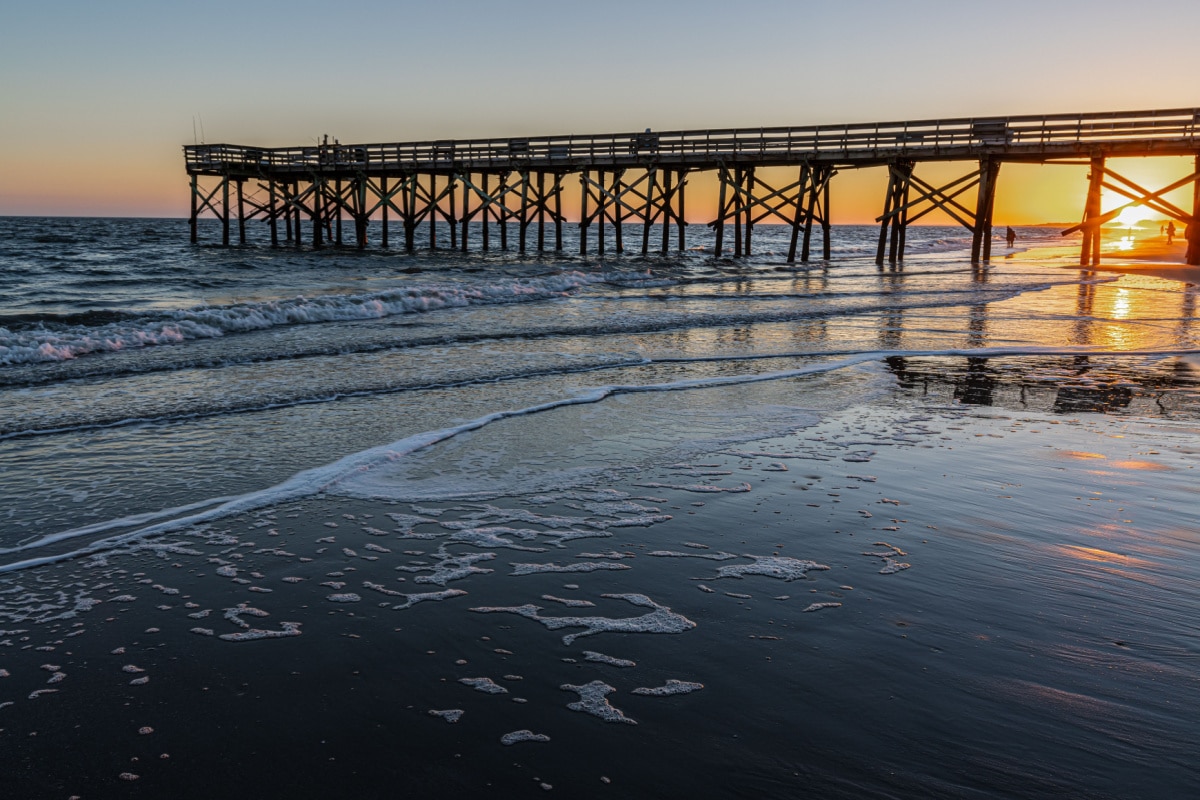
{"x":523,"y":223}
{"x":680,"y":222}
{"x":383,"y":221}
{"x":989,"y":208}
{"x":273,"y":215}
{"x":318,"y":213}
{"x":466,"y":209}
{"x":452,"y":214}
{"x":815,"y":177}
{"x":600,"y":213}
{"x":485,"y":211}
{"x":410,"y":212}
{"x":224,"y":211}
{"x":618,"y":213}
{"x":738,"y":202}
{"x":748,"y":200}
{"x":285,"y":188}
{"x":337,"y":210}
{"x":241,"y":213}
{"x":1090,"y":252}
{"x":981,"y":234}
{"x":900,"y":230}
{"x":541,"y":210}
{"x":889,"y":200}
{"x":502,"y":193}
{"x":825,"y":223}
{"x":195,"y":210}
{"x":433,"y":206}
{"x":665,"y":196}
{"x":360,"y":211}
{"x":558,"y":218}
{"x":583,"y":212}
{"x":720,"y":211}
{"x":1192,"y":231}
{"x":802,"y":194}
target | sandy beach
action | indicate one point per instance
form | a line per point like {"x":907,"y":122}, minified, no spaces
{"x":1143,"y":253}
{"x":690,"y":527}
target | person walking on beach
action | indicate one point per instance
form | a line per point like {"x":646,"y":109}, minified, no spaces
{"x":1170,"y":231}
{"x":1010,"y":235}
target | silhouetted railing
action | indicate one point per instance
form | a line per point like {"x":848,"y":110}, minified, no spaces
{"x":1015,"y":135}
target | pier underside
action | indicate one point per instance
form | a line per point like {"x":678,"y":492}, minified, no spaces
{"x":327,"y":194}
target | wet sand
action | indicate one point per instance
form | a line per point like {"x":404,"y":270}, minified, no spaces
{"x":1141,"y":254}
{"x":911,"y":598}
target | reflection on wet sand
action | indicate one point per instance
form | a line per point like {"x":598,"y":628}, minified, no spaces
{"x":1063,"y":385}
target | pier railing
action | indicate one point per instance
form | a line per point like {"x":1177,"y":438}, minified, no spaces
{"x":1059,"y":133}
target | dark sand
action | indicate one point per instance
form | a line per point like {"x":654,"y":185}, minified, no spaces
{"x":1039,"y":639}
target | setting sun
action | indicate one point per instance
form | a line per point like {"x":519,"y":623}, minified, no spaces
{"x":1132,"y":215}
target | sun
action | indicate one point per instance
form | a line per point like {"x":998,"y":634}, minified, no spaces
{"x":1131,"y":216}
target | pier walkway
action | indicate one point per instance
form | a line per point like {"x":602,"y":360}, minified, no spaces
{"x":640,"y":178}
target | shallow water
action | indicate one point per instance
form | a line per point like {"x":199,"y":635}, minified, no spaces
{"x":926,"y":532}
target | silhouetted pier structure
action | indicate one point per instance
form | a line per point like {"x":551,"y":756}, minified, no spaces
{"x":640,"y":178}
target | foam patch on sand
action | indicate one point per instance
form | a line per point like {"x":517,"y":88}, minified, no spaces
{"x":593,"y":699}
{"x":485,"y":685}
{"x":450,"y":714}
{"x":523,"y":736}
{"x":585,"y":566}
{"x":411,"y":600}
{"x":697,"y":487}
{"x":821,"y":606}
{"x":450,"y":568}
{"x":779,"y":567}
{"x":569,"y":603}
{"x":600,"y":658}
{"x":672,"y":687}
{"x":660,"y":620}
{"x":675,"y":554}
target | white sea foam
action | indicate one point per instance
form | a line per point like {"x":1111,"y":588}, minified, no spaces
{"x":449,"y":715}
{"x":821,"y":606}
{"x":600,"y":658}
{"x":485,"y":685}
{"x":569,"y":602}
{"x":780,"y":567}
{"x":425,"y":597}
{"x":661,"y":620}
{"x":523,"y":736}
{"x":585,"y":566}
{"x":672,"y":687}
{"x":698,"y":487}
{"x":593,"y":699}
{"x":676,"y":554}
{"x":207,"y":322}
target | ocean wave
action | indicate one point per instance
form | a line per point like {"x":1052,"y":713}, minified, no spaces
{"x":44,"y":343}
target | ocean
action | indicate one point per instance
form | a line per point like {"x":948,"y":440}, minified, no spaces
{"x":284,"y":522}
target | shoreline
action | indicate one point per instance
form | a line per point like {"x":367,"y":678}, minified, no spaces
{"x":1150,"y":256}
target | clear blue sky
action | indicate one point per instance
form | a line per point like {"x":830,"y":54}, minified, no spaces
{"x":97,"y":97}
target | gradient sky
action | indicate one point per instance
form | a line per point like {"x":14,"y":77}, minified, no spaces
{"x":96,"y":98}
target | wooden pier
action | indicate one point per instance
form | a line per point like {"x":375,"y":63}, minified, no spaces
{"x":640,"y":178}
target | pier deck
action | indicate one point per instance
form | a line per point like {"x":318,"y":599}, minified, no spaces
{"x":640,"y":177}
